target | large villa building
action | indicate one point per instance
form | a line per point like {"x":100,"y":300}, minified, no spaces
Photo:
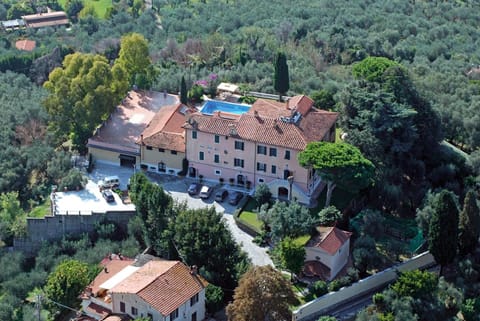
{"x":224,"y":142}
{"x":258,"y":144}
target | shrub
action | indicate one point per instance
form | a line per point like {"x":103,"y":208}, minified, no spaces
{"x":195,"y":93}
{"x":319,"y":288}
{"x":213,"y":298}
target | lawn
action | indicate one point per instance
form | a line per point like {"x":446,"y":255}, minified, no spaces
{"x":41,"y":210}
{"x":249,"y":217}
{"x":100,"y":6}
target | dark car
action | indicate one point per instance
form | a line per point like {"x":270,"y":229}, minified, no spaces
{"x":220,"y":195}
{"x":234,"y":197}
{"x":206,"y":191}
{"x":108,"y":195}
{"x":194,"y":188}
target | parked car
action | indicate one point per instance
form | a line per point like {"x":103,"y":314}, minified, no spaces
{"x":108,"y":195}
{"x":220,"y":195}
{"x":109,"y":182}
{"x":194,"y":189}
{"x":206,"y":191}
{"x":234,"y":197}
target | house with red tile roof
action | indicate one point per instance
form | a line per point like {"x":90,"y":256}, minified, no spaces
{"x":260,"y":146}
{"x":162,"y":143}
{"x":327,"y":253}
{"x":158,"y":289}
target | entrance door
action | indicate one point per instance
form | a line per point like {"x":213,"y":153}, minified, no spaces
{"x":283,"y":193}
{"x":192,"y":172}
{"x":240,"y":180}
{"x":127,"y":160}
{"x":162,"y":167}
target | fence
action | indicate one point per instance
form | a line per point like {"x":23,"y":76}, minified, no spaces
{"x":322,"y":305}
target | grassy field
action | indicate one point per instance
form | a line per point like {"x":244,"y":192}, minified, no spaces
{"x":100,"y":6}
{"x":250,"y":217}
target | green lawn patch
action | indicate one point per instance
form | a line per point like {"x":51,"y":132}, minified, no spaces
{"x":251,"y":219}
{"x":301,"y":240}
{"x":100,"y":6}
{"x":41,"y":210}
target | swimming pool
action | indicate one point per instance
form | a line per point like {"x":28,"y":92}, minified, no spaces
{"x":212,"y":106}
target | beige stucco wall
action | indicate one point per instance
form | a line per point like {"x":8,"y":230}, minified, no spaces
{"x":152,"y":157}
{"x":104,"y":156}
{"x":335,"y":262}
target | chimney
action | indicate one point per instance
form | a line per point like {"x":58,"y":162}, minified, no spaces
{"x":232,"y":130}
{"x":105,"y":269}
{"x":193,"y":270}
{"x":255,"y":113}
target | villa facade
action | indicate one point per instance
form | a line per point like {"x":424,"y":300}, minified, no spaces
{"x":259,"y":146}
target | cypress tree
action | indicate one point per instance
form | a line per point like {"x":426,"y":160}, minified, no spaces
{"x":443,"y":230}
{"x":469,"y":229}
{"x":281,"y":81}
{"x":183,"y":91}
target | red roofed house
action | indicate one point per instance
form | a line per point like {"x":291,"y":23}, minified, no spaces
{"x":259,"y":145}
{"x":327,"y":252}
{"x":162,"y":143}
{"x":159,"y":289}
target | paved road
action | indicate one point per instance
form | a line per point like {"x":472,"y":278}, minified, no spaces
{"x":177,"y":187}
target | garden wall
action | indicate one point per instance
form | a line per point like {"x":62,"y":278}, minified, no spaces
{"x":322,"y":305}
{"x":55,"y":227}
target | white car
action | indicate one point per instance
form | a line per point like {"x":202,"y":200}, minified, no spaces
{"x":206,"y":191}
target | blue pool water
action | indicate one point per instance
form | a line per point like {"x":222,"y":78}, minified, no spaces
{"x":212,"y":106}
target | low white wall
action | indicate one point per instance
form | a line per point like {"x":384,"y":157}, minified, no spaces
{"x":321,"y":305}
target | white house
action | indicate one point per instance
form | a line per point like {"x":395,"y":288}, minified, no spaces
{"x":327,"y":252}
{"x":159,"y":289}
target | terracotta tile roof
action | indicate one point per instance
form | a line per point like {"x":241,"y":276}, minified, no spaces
{"x":98,"y":310}
{"x":263,"y":124}
{"x":329,"y":239}
{"x":172,"y":288}
{"x":316,"y":269}
{"x":110,"y":268}
{"x":27,"y":45}
{"x":301,"y":104}
{"x":143,"y":276}
{"x":165,"y":130}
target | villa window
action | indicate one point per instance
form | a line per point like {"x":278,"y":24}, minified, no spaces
{"x":216,"y":158}
{"x":122,"y":306}
{"x":287,"y":154}
{"x":261,"y":167}
{"x":262,"y":149}
{"x":174,"y":315}
{"x":194,"y":299}
{"x":273,"y":152}
{"x":237,"y":162}
{"x":274,"y":169}
{"x":161,"y":150}
{"x":134,"y":311}
{"x":194,"y":134}
{"x":218,"y":172}
{"x":173,"y":152}
{"x":217,"y":139}
{"x":239,"y":145}
{"x":201,"y":156}
{"x":149,"y":147}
